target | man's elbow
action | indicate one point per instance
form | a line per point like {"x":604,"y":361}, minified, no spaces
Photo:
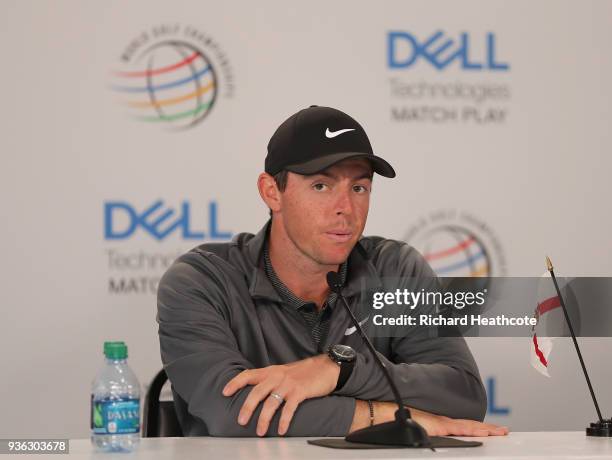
{"x":476,"y":407}
{"x":463,"y":408}
{"x":470,"y":404}
{"x":480,"y":407}
{"x":224,"y":426}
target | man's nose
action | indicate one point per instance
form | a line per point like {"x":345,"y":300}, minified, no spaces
{"x":344,"y":203}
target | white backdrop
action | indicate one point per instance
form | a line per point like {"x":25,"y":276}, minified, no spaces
{"x":525,"y":171}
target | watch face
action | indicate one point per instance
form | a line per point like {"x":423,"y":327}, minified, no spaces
{"x":343,"y":352}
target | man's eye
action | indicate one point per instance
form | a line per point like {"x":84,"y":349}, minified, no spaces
{"x":319,"y":187}
{"x":360,"y":188}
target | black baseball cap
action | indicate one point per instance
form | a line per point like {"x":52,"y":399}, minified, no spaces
{"x":318,"y":137}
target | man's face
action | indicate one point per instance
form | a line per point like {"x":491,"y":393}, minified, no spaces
{"x":324,"y":214}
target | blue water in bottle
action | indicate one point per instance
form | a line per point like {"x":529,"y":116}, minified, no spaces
{"x":115,"y":403}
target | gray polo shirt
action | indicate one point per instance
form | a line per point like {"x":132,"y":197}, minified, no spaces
{"x":317,"y":321}
{"x":219,"y":314}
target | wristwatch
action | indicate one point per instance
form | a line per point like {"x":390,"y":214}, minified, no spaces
{"x":344,"y":356}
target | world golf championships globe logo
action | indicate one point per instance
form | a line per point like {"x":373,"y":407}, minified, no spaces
{"x":454,"y":251}
{"x":171,"y":83}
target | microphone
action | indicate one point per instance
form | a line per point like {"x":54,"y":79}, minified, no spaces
{"x":403,"y":431}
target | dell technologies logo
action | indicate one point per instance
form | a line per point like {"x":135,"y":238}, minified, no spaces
{"x":121,"y":220}
{"x":404,"y":50}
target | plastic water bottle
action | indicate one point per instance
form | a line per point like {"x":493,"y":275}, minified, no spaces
{"x":115,"y":403}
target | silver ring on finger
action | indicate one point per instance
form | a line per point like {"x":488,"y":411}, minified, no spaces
{"x":278,"y":397}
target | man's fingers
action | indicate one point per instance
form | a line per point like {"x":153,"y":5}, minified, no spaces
{"x":438,"y":425}
{"x":500,"y":431}
{"x":490,"y":429}
{"x":246,"y":377}
{"x":483,"y":425}
{"x":285,"y":420}
{"x":473,"y":428}
{"x":270,"y":406}
{"x":257,"y":394}
{"x":237,"y":382}
{"x":478,"y":432}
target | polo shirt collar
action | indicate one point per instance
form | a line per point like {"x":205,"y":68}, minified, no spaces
{"x":361,"y":273}
{"x":288,"y":296}
{"x":260,"y":286}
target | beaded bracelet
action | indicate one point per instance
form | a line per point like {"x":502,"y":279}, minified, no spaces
{"x":371,"y":406}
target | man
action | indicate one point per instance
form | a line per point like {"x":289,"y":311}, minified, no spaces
{"x":253,"y":341}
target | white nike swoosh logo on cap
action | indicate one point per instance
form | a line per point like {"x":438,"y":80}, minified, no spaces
{"x":331,"y":134}
{"x":351,"y":330}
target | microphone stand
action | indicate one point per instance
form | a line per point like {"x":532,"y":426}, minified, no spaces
{"x":403,"y":431}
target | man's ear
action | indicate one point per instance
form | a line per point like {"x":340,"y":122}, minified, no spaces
{"x":269,"y":192}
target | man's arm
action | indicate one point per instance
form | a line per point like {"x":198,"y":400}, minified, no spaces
{"x":201,"y":355}
{"x":295,"y":383}
{"x":435,"y":374}
{"x":435,"y":425}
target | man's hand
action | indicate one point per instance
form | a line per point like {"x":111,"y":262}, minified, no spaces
{"x":438,"y":425}
{"x":435,"y":425}
{"x":294,"y":382}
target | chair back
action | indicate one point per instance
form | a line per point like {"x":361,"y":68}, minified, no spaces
{"x":159,"y":417}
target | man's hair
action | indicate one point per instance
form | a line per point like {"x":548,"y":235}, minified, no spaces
{"x":281,"y":181}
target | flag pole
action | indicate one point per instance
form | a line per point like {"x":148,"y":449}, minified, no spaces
{"x":550,"y":268}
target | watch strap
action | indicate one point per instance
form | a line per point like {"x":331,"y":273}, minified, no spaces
{"x":346,"y":369}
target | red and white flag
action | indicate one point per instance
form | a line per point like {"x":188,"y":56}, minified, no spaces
{"x":549,"y":316}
